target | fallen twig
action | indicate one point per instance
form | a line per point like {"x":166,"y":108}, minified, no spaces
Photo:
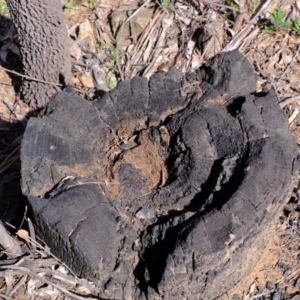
{"x":291,"y":62}
{"x":289,"y":100}
{"x":293,"y":116}
{"x":240,"y":16}
{"x":239,"y":38}
{"x":26,"y":271}
{"x":220,"y":5}
{"x":17,"y":286}
{"x":131,"y":16}
{"x":6,"y":297}
{"x":255,"y":297}
{"x":30,"y":78}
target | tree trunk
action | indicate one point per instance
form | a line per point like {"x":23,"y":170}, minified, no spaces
{"x":44,"y":47}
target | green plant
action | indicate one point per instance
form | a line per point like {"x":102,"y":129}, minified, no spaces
{"x":92,"y":1}
{"x":231,"y":3}
{"x":69,"y":4}
{"x":277,"y":19}
{"x":167,"y":4}
{"x":229,"y":15}
{"x":111,"y":81}
{"x":2,"y":7}
{"x":115,"y":57}
{"x":296,"y":26}
{"x":278,"y":22}
{"x":104,"y":44}
{"x":268,"y":29}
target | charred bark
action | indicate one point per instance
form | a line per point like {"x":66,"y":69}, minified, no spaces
{"x":161,"y":189}
{"x":44,"y":48}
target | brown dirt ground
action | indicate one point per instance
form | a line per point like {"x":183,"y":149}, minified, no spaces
{"x":115,"y":40}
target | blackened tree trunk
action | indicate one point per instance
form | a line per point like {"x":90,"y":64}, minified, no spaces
{"x":44,"y":47}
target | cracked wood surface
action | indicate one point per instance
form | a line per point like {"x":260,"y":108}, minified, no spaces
{"x":44,"y":46}
{"x":163,"y":188}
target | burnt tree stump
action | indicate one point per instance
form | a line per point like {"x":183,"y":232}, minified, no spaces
{"x":164,"y":188}
{"x":44,"y":47}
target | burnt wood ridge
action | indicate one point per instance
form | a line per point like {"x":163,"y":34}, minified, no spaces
{"x":44,"y":47}
{"x":161,"y":189}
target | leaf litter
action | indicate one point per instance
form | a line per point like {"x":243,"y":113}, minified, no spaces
{"x":116,"y":40}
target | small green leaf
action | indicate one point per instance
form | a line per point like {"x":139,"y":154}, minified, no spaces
{"x":268,"y":29}
{"x":166,"y":4}
{"x":69,"y":5}
{"x":296,"y":27}
{"x":2,"y":7}
{"x":277,"y":15}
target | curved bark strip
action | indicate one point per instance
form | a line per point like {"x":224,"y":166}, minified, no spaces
{"x":44,"y":47}
{"x":161,"y":189}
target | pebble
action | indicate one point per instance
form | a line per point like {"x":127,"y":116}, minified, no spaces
{"x":145,"y":213}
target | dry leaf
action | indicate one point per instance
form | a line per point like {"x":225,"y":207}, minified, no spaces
{"x":24,"y":235}
{"x":83,"y":289}
{"x":189,"y":49}
{"x":75,"y":50}
{"x":286,"y":55}
{"x":213,"y":39}
{"x":253,"y":288}
{"x":76,"y":81}
{"x":87,"y":80}
{"x":104,"y":35}
{"x":86,"y":32}
{"x":294,"y":40}
{"x":72,"y":32}
{"x":46,"y":292}
{"x":9,"y":279}
{"x":32,"y":285}
{"x":273,"y":62}
{"x":196,"y":60}
{"x":62,"y":270}
{"x":135,"y":26}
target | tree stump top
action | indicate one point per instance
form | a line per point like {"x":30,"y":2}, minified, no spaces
{"x":159,"y":186}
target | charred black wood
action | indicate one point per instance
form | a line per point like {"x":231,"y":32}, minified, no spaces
{"x":162,"y":189}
